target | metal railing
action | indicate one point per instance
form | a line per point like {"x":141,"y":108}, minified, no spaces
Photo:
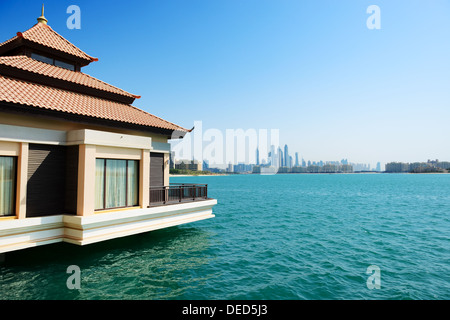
{"x":178,"y":192}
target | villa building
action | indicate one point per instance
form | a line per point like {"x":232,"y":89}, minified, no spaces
{"x":192,"y":165}
{"x":78,"y":162}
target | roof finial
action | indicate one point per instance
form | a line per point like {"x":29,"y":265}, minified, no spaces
{"x":42,"y":19}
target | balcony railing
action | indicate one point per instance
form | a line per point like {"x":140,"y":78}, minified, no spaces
{"x":177,"y":193}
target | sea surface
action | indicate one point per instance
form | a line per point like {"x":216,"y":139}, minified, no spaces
{"x":304,"y":236}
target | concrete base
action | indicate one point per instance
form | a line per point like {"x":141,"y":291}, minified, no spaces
{"x":105,"y":226}
{"x":19,"y":234}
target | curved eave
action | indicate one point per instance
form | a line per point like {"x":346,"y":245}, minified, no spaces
{"x":18,"y":42}
{"x":38,"y":78}
{"x":14,"y":108}
{"x":23,"y":41}
{"x":41,"y":99}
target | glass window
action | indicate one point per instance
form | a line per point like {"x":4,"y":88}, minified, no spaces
{"x":7,"y":185}
{"x":116,"y":183}
{"x":38,"y":57}
{"x":52,"y":61}
{"x":64,"y":65}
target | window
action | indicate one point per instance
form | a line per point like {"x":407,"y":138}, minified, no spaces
{"x":116,"y":183}
{"x":64,"y":65}
{"x":52,"y":61}
{"x":7,"y":185}
{"x":38,"y":57}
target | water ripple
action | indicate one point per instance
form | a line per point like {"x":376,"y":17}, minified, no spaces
{"x":274,"y":237}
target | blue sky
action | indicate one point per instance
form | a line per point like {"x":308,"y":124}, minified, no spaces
{"x":311,"y":69}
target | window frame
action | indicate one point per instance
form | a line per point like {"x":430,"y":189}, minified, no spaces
{"x":127,"y":200}
{"x":45,"y":59}
{"x":14,"y":191}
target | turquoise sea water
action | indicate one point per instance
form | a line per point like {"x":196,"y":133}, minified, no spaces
{"x":273,"y":237}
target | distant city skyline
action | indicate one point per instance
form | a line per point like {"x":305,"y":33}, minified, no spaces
{"x":287,"y":160}
{"x":278,"y":157}
{"x":275,"y":155}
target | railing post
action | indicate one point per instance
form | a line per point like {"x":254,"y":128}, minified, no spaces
{"x":206,"y":191}
{"x":180,"y":193}
{"x":166,"y":194}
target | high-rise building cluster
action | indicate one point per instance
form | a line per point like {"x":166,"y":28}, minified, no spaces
{"x":285,"y":163}
{"x":278,"y":160}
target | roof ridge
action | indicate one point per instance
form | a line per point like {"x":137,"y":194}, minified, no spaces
{"x":49,"y":39}
{"x":9,"y":40}
{"x":62,"y":38}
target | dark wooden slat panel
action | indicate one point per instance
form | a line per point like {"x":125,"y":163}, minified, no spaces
{"x":46,"y":180}
{"x":156,"y":169}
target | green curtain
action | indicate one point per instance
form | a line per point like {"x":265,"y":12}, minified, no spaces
{"x":7,"y":185}
{"x":133,"y":183}
{"x":99,"y":183}
{"x":116,"y":183}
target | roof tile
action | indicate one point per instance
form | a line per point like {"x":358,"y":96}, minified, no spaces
{"x":45,"y":97}
{"x":44,"y":35}
{"x":34,"y":66}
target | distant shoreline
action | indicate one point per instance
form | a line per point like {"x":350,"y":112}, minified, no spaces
{"x":296,"y":173}
{"x":198,"y":175}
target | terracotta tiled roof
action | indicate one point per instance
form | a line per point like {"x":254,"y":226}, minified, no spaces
{"x":45,"y":97}
{"x":34,"y":66}
{"x":44,"y":35}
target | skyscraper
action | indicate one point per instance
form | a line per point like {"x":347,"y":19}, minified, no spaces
{"x":257,"y":156}
{"x":272,"y":156}
{"x":280,"y":157}
{"x":286,"y":156}
{"x":296,"y":159}
{"x":378,"y":167}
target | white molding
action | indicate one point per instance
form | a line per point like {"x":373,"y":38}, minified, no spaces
{"x":103,"y":226}
{"x":32,"y":135}
{"x":108,"y":139}
{"x":10,"y":133}
{"x":16,"y":234}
